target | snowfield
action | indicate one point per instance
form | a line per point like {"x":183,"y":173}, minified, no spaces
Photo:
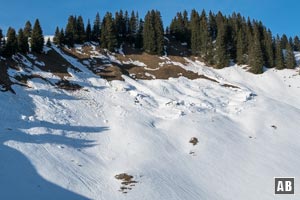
{"x":56,"y":144}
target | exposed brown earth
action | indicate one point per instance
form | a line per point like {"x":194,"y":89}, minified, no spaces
{"x":194,"y":141}
{"x":156,"y":67}
{"x":127,"y":182}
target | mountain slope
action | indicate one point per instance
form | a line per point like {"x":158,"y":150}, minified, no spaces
{"x":61,"y":144}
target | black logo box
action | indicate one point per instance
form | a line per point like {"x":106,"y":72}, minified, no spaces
{"x":284,"y":181}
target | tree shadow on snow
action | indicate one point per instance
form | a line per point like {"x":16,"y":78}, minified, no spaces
{"x":19,"y":178}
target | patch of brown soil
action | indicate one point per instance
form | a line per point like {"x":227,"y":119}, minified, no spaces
{"x":194,"y":141}
{"x":5,"y":81}
{"x":127,"y":182}
{"x":66,"y":85}
{"x":55,"y":64}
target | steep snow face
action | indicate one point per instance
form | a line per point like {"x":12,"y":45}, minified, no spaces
{"x":70,"y":145}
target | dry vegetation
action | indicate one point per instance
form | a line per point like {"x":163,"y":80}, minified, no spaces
{"x":127,"y":182}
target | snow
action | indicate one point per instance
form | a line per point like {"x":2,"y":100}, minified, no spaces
{"x":70,"y":145}
{"x":48,"y":36}
{"x":40,"y":63}
{"x":136,"y":62}
{"x":120,"y":50}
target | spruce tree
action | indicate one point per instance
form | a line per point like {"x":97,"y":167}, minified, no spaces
{"x":159,"y":33}
{"x":48,"y":43}
{"x":284,"y":41}
{"x":56,"y":36}
{"x":133,"y":27}
{"x":240,"y":48}
{"x":296,"y":44}
{"x":61,"y":38}
{"x":70,"y":32}
{"x":139,"y":36}
{"x":80,"y":32}
{"x":108,"y":33}
{"x":88,"y":32}
{"x":212,"y":25}
{"x":23,"y":46}
{"x":186,"y":32}
{"x":195,"y":32}
{"x":126,"y":25}
{"x":256,"y":60}
{"x":204,"y":36}
{"x":149,"y":40}
{"x":268,"y":49}
{"x":96,"y":28}
{"x":27,"y":29}
{"x":279,"y":60}
{"x":37,"y":38}
{"x":11,"y":46}
{"x":290,"y":61}
{"x":222,"y":57}
{"x":291,"y":42}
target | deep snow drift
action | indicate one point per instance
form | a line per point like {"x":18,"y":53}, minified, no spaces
{"x":56,"y":144}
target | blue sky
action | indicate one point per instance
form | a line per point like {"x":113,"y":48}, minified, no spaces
{"x":281,"y":16}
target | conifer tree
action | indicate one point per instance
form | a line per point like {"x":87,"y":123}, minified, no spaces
{"x":23,"y":46}
{"x":159,"y":33}
{"x":126,"y":26}
{"x":120,"y":26}
{"x":195,"y":32}
{"x":241,"y":48}
{"x":139,"y":36}
{"x":222,"y":57}
{"x":56,"y":36}
{"x":48,"y":43}
{"x":80,"y":32}
{"x":212,"y":25}
{"x":268,"y":49}
{"x":290,"y":61}
{"x":284,"y":41}
{"x":96,"y":28}
{"x":88,"y":32}
{"x":37,"y":38}
{"x":296,"y":44}
{"x":61,"y":38}
{"x":256,"y":60}
{"x":70,"y":32}
{"x":11,"y":46}
{"x":27,"y":29}
{"x":186,"y":32}
{"x":108,"y":33}
{"x":291,"y":42}
{"x":204,"y":36}
{"x":153,"y":33}
{"x":133,"y":27}
{"x":149,"y":40}
{"x":279,"y":60}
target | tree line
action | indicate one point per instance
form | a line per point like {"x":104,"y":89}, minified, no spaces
{"x":219,"y":39}
{"x":214,"y":38}
{"x":114,"y":30}
{"x":27,"y":38}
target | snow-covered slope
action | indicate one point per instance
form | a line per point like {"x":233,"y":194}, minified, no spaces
{"x":56,"y":144}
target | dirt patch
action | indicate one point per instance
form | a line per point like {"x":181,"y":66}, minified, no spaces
{"x":55,"y":64}
{"x":23,"y":79}
{"x":5,"y":81}
{"x":127,"y":182}
{"x":230,"y":86}
{"x":194,"y":141}
{"x":66,"y":85}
